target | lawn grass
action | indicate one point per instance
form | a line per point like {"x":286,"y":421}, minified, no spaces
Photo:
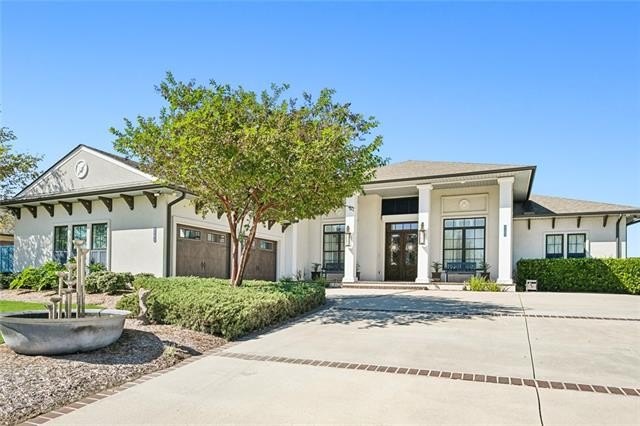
{"x":12,"y":306}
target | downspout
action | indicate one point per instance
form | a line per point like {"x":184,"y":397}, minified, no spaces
{"x":618,"y":237}
{"x":169,"y":233}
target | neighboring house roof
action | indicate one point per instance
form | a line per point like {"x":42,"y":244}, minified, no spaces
{"x":413,"y":169}
{"x":543,"y":205}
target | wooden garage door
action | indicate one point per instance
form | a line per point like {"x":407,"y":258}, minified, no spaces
{"x":202,"y":252}
{"x":262,"y":262}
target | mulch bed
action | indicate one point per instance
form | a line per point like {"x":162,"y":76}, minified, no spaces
{"x":32,"y":385}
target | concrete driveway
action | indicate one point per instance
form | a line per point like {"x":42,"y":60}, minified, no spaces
{"x":421,"y":357}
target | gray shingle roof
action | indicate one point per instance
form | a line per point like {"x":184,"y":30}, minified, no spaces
{"x":120,"y":158}
{"x":424,"y":169}
{"x":543,"y":205}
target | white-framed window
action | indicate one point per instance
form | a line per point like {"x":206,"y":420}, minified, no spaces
{"x":94,"y":234}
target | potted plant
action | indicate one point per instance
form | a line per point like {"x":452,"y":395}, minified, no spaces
{"x":484,"y":270}
{"x":315,"y":273}
{"x":358,"y":271}
{"x":436,"y":274}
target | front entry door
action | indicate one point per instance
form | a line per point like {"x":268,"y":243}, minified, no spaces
{"x":401,"y":252}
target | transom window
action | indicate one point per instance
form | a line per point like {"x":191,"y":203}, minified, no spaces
{"x":407,"y":205}
{"x":265,"y":245}
{"x":333,"y":247}
{"x":216,"y":238}
{"x":576,"y":245}
{"x":554,"y":246}
{"x":189,"y":234}
{"x":411,"y":226}
{"x":464,"y":242}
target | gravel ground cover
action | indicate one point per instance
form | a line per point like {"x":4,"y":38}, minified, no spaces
{"x":30,"y":385}
{"x":102,"y":299}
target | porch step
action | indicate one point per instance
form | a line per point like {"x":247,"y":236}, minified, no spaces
{"x":372,"y":285}
{"x":385,"y":285}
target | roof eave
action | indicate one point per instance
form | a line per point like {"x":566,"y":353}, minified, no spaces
{"x":451,"y":175}
{"x":63,"y":196}
{"x":574,"y":214}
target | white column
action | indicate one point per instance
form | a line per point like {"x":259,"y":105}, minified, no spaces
{"x":505,"y":234}
{"x":294,"y":250}
{"x":424,"y":211}
{"x":350,"y":249}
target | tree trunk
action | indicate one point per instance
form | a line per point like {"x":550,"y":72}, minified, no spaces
{"x":241,"y":258}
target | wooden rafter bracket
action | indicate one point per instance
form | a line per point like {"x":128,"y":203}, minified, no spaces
{"x":129,"y":200}
{"x":108,"y":202}
{"x":16,"y":212}
{"x":87,"y":204}
{"x":33,"y":210}
{"x":67,"y":206}
{"x":50,"y":208}
{"x":152,"y":197}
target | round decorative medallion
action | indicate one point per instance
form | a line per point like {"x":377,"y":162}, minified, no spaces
{"x":464,"y":204}
{"x":82,"y":169}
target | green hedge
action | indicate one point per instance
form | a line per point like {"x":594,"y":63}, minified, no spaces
{"x":213,"y":306}
{"x":581,"y":275}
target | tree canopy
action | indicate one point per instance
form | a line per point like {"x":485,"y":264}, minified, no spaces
{"x":256,"y":157}
{"x":16,"y":169}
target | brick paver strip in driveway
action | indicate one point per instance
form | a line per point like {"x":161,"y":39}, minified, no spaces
{"x":514,"y":381}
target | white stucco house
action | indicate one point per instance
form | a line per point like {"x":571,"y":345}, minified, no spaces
{"x":413,"y":214}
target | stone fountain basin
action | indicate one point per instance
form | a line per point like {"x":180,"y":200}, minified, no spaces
{"x":33,"y":333}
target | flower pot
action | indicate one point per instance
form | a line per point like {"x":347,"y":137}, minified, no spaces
{"x":315,"y":275}
{"x":485,"y":275}
{"x":436,"y":276}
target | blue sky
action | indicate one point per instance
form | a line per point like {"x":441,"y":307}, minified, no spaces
{"x":551,"y":84}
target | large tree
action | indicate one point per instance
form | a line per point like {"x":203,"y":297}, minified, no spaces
{"x":257,"y":157}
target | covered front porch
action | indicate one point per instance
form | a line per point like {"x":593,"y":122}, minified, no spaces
{"x":395,"y":231}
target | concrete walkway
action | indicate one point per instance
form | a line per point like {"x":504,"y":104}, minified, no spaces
{"x":420,"y":357}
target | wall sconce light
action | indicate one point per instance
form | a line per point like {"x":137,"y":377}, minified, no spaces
{"x":347,"y":237}
{"x":422,"y":235}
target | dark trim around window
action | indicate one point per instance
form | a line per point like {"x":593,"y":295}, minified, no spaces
{"x":573,"y":247}
{"x":463,"y":225}
{"x":553,"y":243}
{"x":333,"y":247}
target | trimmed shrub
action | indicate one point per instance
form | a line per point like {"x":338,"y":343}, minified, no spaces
{"x":482,"y":284}
{"x":43,"y":278}
{"x":5,"y":279}
{"x":581,"y":275}
{"x":107,"y":282}
{"x":213,"y":306}
{"x":96,"y":267}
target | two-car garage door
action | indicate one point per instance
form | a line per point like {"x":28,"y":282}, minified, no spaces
{"x":206,"y":253}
